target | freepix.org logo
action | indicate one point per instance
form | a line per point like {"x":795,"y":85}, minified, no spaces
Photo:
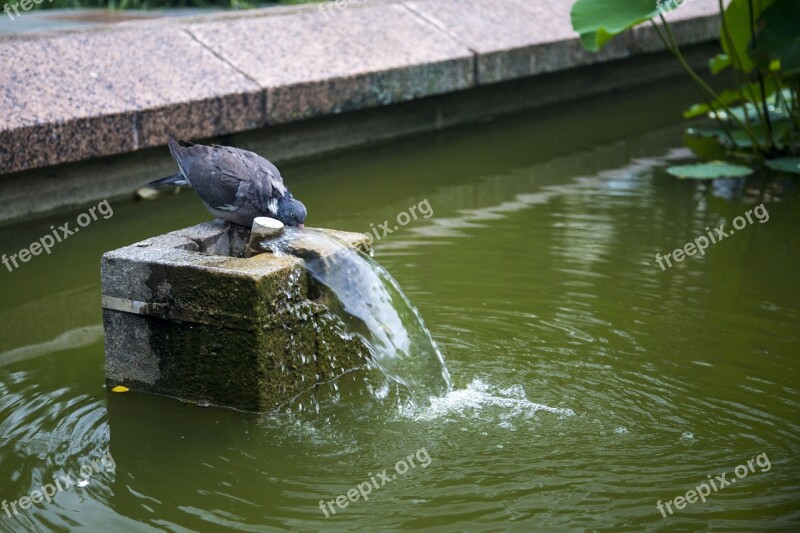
{"x":48,"y":491}
{"x":26,"y":5}
{"x":665,"y":6}
{"x":47,"y":242}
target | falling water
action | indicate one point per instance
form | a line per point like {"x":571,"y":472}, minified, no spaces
{"x":371,"y":304}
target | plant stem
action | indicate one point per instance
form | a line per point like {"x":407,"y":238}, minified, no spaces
{"x":703,"y":95}
{"x":781,"y":99}
{"x":794,"y":91}
{"x":737,"y":64}
{"x":673,"y":47}
{"x":767,"y":120}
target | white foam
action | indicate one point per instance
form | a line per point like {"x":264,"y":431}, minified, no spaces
{"x":476,"y":398}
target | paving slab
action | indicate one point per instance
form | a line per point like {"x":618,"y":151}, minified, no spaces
{"x":519,"y":38}
{"x":315,"y":64}
{"x":105,"y":92}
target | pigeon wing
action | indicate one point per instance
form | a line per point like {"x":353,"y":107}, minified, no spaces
{"x":219,"y":184}
{"x":265,"y":176}
{"x":225,"y":177}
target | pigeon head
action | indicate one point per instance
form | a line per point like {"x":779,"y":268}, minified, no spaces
{"x":291,"y":212}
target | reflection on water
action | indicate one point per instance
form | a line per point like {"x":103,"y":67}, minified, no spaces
{"x":587,"y":383}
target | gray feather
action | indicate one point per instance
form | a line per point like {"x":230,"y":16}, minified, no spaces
{"x":235,"y":184}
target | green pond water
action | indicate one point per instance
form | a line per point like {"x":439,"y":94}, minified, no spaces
{"x":588,"y":383}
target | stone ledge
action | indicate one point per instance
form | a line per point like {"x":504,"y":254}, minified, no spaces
{"x":201,"y":77}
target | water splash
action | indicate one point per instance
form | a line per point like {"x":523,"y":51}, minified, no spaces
{"x":507,"y":405}
{"x":369,"y":301}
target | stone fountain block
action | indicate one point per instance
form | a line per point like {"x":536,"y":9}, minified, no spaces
{"x":188,"y":315}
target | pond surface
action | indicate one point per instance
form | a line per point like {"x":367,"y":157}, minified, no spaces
{"x":589,"y":384}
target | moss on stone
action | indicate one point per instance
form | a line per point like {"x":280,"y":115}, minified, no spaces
{"x":232,"y":331}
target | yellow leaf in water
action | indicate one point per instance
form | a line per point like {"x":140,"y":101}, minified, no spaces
{"x":119,"y":388}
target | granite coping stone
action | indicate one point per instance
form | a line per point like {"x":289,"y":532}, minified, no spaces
{"x":78,"y":95}
{"x":364,"y":56}
{"x":517,"y":38}
{"x":75,"y":95}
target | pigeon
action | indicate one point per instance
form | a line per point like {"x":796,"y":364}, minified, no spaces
{"x":234,"y":184}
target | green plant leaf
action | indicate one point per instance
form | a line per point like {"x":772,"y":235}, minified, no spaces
{"x":727,"y":97}
{"x":737,"y":21}
{"x":709,"y":171}
{"x":718,"y":63}
{"x":785,"y":164}
{"x":780,"y":37}
{"x":780,"y":134}
{"x":750,"y":92}
{"x":706,"y":132}
{"x":696,"y":110}
{"x":598,"y":21}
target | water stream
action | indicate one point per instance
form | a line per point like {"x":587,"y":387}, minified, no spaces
{"x":370,"y":302}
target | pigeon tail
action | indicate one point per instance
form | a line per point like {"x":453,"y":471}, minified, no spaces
{"x":177,"y":179}
{"x":177,"y":147}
